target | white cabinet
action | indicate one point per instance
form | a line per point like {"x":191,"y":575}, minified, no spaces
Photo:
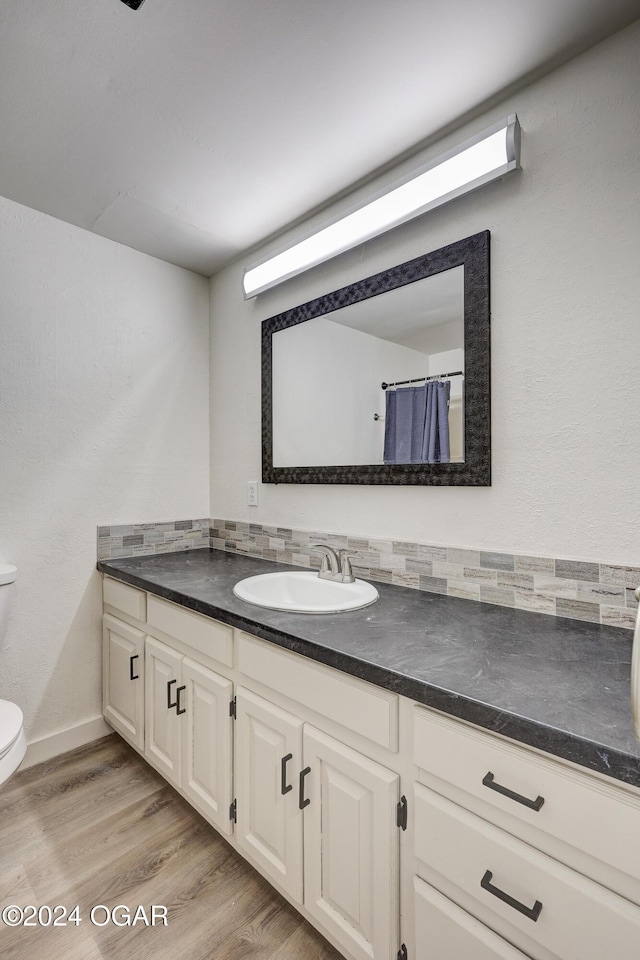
{"x":189,"y":729}
{"x":445,"y":932}
{"x":163,"y":694}
{"x":359,"y":707}
{"x":508,"y":853}
{"x":123,"y":679}
{"x":546,"y":905}
{"x":560,"y":810}
{"x":533,"y":850}
{"x":166,"y":702}
{"x":268,"y":758}
{"x":319,"y":818}
{"x":351,"y":846}
{"x":207,"y":759}
{"x":201,"y":635}
{"x":126,"y":600}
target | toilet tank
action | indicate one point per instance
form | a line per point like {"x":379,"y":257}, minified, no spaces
{"x":8,"y":574}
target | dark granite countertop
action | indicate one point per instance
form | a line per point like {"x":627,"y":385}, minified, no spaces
{"x":556,"y":684}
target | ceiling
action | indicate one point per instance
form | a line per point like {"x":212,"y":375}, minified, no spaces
{"x":193,"y":130}
{"x":412,"y":309}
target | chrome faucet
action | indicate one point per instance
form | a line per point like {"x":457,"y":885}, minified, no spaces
{"x":334,"y":567}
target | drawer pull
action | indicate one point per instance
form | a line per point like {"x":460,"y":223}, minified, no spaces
{"x":302,"y":803}
{"x":132,"y":675}
{"x":532,"y":912}
{"x":488,"y":781}
{"x":284,"y":786}
{"x":170,"y":705}
{"x":180,"y":709}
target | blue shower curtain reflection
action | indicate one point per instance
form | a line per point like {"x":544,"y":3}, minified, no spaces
{"x":417,"y":424}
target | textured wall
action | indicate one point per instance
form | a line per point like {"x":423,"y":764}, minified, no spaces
{"x":103,"y":418}
{"x":565,"y":243}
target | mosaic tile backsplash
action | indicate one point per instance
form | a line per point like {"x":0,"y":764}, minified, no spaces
{"x":597,"y":592}
{"x":145,"y":539}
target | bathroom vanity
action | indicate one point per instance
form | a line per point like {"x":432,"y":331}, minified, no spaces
{"x":427,"y":777}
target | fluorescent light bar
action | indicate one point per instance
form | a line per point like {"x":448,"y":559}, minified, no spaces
{"x":486,"y":157}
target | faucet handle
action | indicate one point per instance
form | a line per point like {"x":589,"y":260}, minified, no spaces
{"x":347,"y":572}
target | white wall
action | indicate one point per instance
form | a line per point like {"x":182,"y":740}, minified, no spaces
{"x":103,"y":419}
{"x":565,"y":247}
{"x":323,"y":408}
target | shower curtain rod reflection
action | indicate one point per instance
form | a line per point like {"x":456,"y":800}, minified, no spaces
{"x":437,"y":376}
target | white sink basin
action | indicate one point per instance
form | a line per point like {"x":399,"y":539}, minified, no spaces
{"x":304,"y":592}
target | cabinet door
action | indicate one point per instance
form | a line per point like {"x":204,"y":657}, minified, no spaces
{"x":163,"y":727}
{"x":351,"y":847}
{"x":206,"y":772}
{"x":268,"y":751}
{"x":123,"y":679}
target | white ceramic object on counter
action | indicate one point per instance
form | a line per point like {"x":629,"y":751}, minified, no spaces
{"x":301,"y":591}
{"x":635,"y":673}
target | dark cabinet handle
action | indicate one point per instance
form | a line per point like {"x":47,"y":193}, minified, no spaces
{"x":170,"y":705}
{"x":284,"y":786}
{"x":532,"y":912}
{"x":302,"y":803}
{"x":132,"y":675}
{"x":489,"y":781}
{"x":180,"y":709}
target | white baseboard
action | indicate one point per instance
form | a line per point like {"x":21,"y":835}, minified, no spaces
{"x":57,"y":743}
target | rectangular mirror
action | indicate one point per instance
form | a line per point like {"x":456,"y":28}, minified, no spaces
{"x":385,"y":380}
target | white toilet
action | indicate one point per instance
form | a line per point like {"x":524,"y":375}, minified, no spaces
{"x":13,"y":744}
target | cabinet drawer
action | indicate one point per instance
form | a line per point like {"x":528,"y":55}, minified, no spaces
{"x":201,"y":633}
{"x":355,"y":704}
{"x":577,"y":919}
{"x":601,"y":820}
{"x":445,"y":932}
{"x":124,"y":598}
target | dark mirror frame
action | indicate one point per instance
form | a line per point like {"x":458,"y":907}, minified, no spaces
{"x":473,"y":254}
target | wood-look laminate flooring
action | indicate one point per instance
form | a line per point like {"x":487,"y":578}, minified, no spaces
{"x":99,"y":826}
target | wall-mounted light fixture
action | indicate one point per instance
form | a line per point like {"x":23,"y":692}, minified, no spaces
{"x":486,"y":157}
